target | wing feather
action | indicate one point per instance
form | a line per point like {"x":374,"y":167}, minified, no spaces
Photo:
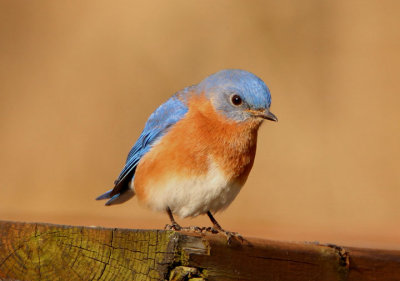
{"x":159,"y":122}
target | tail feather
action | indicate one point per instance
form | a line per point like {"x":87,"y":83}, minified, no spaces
{"x":122,"y":192}
{"x":105,"y":195}
{"x":118,"y":198}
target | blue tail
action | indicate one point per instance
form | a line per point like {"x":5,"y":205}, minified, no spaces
{"x":105,"y":195}
{"x":118,"y":198}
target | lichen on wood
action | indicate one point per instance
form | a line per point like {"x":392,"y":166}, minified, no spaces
{"x":50,"y":252}
{"x":35,"y":251}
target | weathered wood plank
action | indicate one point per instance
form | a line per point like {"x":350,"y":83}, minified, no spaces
{"x":30,"y":251}
{"x":54,"y":252}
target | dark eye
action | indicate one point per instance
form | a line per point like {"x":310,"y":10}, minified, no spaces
{"x":236,"y":100}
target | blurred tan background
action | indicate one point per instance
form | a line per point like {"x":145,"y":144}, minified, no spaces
{"x":78,"y":79}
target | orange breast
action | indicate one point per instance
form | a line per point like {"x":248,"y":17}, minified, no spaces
{"x":186,"y":150}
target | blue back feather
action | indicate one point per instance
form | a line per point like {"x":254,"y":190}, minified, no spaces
{"x":157,"y":125}
{"x":165,"y":116}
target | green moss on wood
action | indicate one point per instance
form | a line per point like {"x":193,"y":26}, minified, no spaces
{"x":55,"y":252}
{"x":52,"y":252}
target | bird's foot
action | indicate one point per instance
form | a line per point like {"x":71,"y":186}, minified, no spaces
{"x":210,"y":229}
{"x":177,"y":227}
{"x":173,"y":226}
{"x":233,"y":235}
{"x":229,"y":234}
{"x":192,"y":229}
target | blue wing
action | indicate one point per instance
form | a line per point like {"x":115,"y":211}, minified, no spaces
{"x":157,"y":125}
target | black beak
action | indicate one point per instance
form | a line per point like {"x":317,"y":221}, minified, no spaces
{"x":269,"y":116}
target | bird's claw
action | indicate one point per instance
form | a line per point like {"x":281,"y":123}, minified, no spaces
{"x":214,"y":230}
{"x":210,"y":229}
{"x":193,"y":229}
{"x":173,"y":226}
{"x":229,"y":234}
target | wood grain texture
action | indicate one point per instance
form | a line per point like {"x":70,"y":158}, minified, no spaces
{"x":55,"y":252}
{"x":35,"y":251}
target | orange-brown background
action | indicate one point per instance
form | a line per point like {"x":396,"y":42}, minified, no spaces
{"x":78,"y":79}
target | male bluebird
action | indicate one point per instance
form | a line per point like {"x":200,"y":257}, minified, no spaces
{"x":197,"y":149}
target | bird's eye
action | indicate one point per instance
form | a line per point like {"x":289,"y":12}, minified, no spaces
{"x":236,"y":100}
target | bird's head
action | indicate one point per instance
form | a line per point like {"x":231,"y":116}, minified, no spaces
{"x":239,"y":95}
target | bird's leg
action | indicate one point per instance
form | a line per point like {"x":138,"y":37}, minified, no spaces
{"x":214,"y":221}
{"x":217,"y":228}
{"x":174,"y":225}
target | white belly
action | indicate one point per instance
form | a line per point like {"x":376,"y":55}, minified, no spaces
{"x":192,"y":196}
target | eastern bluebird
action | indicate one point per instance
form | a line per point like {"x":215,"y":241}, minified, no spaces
{"x":197,"y":149}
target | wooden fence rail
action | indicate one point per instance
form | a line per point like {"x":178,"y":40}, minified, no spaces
{"x":36,"y":251}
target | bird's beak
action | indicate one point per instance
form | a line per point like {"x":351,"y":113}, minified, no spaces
{"x":265,"y":114}
{"x":269,"y":116}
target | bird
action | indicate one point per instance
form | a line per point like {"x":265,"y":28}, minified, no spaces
{"x":196,"y":150}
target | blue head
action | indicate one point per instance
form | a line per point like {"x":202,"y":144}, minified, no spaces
{"x":238,"y":94}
